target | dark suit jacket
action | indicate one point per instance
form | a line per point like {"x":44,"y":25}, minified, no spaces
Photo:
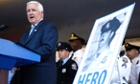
{"x":43,"y":40}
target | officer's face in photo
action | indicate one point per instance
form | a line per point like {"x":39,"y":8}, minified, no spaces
{"x":62,"y":53}
{"x":104,"y":40}
{"x":108,"y":32}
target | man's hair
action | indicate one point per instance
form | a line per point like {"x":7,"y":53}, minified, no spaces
{"x":40,"y":6}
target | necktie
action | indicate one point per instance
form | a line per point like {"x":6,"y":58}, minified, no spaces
{"x":61,"y":63}
{"x":32,"y":29}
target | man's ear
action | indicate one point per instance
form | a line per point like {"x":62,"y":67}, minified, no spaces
{"x":42,"y":12}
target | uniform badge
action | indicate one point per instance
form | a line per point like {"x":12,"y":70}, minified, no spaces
{"x":126,"y":45}
{"x":63,"y":70}
{"x":73,"y":66}
{"x":59,"y":44}
{"x":74,"y":58}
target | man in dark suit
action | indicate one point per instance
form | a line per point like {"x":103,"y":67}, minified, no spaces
{"x":66,"y":67}
{"x":43,"y":40}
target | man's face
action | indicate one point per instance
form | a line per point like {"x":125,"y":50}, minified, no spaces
{"x":132,"y":53}
{"x":34,"y":15}
{"x":104,"y":40}
{"x":74,"y":44}
{"x":62,"y":53}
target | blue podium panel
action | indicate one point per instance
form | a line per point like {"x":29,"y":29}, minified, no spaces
{"x":12,"y":54}
{"x":6,"y":62}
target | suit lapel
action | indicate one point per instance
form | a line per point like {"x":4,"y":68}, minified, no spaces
{"x":34,"y":32}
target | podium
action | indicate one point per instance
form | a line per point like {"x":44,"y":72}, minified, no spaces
{"x":14,"y":55}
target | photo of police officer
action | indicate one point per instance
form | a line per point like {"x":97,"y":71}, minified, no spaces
{"x":103,"y":52}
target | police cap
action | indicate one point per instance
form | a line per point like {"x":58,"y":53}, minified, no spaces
{"x":129,"y":47}
{"x":112,"y":25}
{"x":76,"y":37}
{"x":64,"y":45}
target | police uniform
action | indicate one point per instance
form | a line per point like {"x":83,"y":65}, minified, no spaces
{"x":78,"y":54}
{"x":134,"y":76}
{"x":121,"y":71}
{"x":67,"y":69}
{"x":135,"y":68}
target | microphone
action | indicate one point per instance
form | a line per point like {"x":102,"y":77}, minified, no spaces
{"x":3,"y":27}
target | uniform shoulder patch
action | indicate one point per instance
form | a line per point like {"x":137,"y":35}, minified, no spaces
{"x":74,"y":66}
{"x":124,"y":59}
{"x":74,"y":58}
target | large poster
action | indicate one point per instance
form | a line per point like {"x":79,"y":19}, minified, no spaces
{"x":103,"y":47}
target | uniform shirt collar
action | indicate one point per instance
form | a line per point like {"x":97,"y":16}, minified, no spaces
{"x":65,"y":60}
{"x":135,"y":59}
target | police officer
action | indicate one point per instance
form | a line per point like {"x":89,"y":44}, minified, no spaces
{"x":76,"y":44}
{"x":66,"y":67}
{"x":132,"y":52}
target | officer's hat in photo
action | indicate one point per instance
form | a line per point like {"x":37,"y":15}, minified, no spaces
{"x":129,"y":47}
{"x":76,"y":37}
{"x":112,"y":25}
{"x":64,"y":45}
